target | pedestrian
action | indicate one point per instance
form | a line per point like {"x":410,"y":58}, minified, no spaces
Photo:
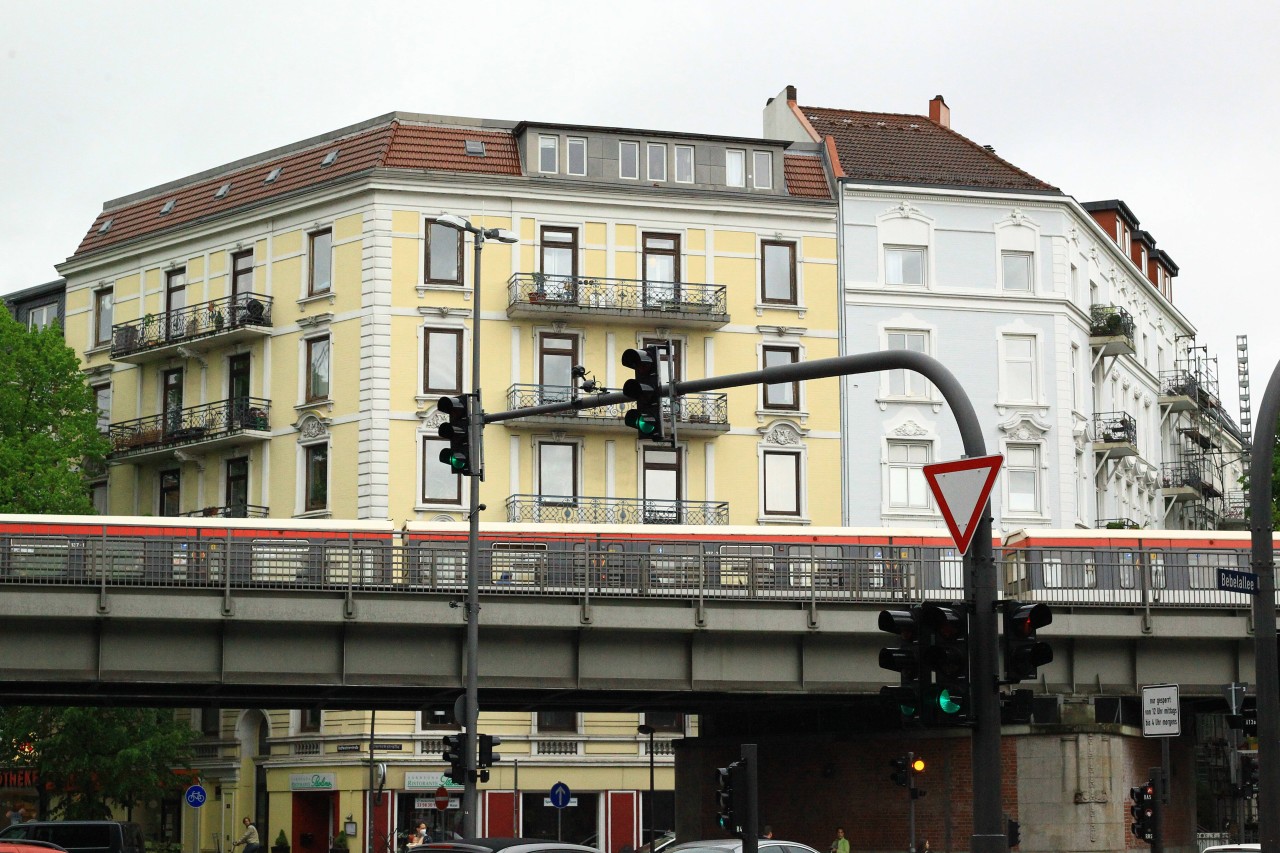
{"x":841,"y":844}
{"x":925,"y":848}
{"x":250,"y":838}
{"x":768,"y":831}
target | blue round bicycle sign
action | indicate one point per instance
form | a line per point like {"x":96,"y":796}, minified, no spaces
{"x":196,"y":796}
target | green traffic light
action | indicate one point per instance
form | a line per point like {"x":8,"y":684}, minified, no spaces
{"x":646,"y":425}
{"x":907,"y":710}
{"x":946,"y":703}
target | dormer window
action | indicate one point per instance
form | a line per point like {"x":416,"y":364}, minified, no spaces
{"x":168,"y":206}
{"x":330,"y":158}
{"x":223,"y":190}
{"x":474,"y":147}
{"x":273,"y":174}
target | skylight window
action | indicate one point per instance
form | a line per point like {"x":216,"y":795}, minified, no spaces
{"x":273,"y":174}
{"x":168,"y":206}
{"x":223,"y":190}
{"x":105,"y":227}
{"x":475,"y":148}
{"x":331,"y":157}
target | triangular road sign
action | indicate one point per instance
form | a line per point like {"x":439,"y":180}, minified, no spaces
{"x":961,"y":489}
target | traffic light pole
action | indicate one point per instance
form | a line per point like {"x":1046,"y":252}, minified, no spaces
{"x":1264,"y":614}
{"x":979,"y":563}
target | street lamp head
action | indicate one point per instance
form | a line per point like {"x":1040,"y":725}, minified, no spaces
{"x":645,"y":729}
{"x":502,"y":235}
{"x":454,"y":222}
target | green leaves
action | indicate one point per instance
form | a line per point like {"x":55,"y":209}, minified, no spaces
{"x":48,"y":423}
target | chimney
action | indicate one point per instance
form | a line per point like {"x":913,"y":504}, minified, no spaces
{"x":939,"y":112}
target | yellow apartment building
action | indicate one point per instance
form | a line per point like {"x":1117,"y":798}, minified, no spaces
{"x":270,"y":338}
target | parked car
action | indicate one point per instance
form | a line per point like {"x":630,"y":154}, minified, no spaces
{"x":505,"y":845}
{"x":80,"y":836}
{"x":26,"y":845}
{"x":734,"y":845}
{"x":1232,"y":848}
{"x":664,"y":840}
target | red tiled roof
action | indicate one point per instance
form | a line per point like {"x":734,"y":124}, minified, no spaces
{"x":391,"y":145}
{"x":911,"y":149}
{"x":806,"y":178}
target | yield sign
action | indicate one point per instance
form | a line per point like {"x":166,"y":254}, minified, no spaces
{"x":962,"y":488}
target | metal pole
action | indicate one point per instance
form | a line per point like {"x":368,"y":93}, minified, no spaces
{"x":652,"y":837}
{"x":469,"y":792}
{"x":1264,"y":615}
{"x":911,"y":799}
{"x":751,"y":831}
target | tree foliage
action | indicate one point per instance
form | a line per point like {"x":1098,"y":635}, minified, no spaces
{"x":48,"y":423}
{"x":94,"y":759}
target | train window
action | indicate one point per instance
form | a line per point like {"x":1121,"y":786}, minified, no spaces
{"x":347,"y":562}
{"x":122,"y":559}
{"x":517,"y":562}
{"x":738,"y":562}
{"x":951,"y":568}
{"x":445,"y":567}
{"x":38,"y":558}
{"x":1126,"y":569}
{"x":1156,"y":563}
{"x":1203,"y":567}
{"x":889,"y":567}
{"x":283,"y":560}
{"x":674,"y":563}
{"x":815,"y":565}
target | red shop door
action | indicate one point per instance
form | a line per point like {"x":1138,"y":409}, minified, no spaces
{"x":622,"y":820}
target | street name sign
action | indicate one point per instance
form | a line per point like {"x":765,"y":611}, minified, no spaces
{"x":1231,"y":580}
{"x":961,"y":489}
{"x":1161,"y":714}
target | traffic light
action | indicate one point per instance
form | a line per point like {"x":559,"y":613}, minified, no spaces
{"x":946,"y":701}
{"x":1144,"y":812}
{"x":458,"y":455}
{"x":725,"y":816}
{"x":455,"y":757}
{"x":901,"y":775}
{"x":487,"y":756}
{"x":907,"y":697}
{"x":1249,"y":775}
{"x":1023,"y":653}
{"x":645,"y":387}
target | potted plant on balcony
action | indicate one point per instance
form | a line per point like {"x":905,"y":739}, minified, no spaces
{"x":282,"y":843}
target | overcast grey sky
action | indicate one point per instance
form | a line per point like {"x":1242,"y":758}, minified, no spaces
{"x":1173,"y":107}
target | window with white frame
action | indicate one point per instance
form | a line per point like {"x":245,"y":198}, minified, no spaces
{"x":907,"y":486}
{"x":657,"y":161}
{"x":904,"y":264}
{"x":1022,"y":474}
{"x":684,"y":164}
{"x":42,"y":316}
{"x":577,"y":164}
{"x":629,"y":160}
{"x":778,"y":272}
{"x":102,"y":397}
{"x":1075,"y":377}
{"x":1018,"y":368}
{"x":548,"y":154}
{"x":103,"y":301}
{"x":781,"y":474}
{"x":441,"y":361}
{"x":762,"y":170}
{"x":317,"y":366}
{"x":315,"y":488}
{"x":1016,"y":271}
{"x":440,"y":485}
{"x":442,"y":254}
{"x":320,"y":272}
{"x":557,"y":471}
{"x":907,"y":383}
{"x":735,"y":167}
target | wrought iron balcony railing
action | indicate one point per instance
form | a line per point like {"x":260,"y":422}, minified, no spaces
{"x":191,"y":426}
{"x":691,"y":410}
{"x":567,"y":509}
{"x":230,"y":511}
{"x":1115,"y":428}
{"x":183,"y":325}
{"x":1110,"y":321}
{"x":1118,"y":524}
{"x":1176,"y":475}
{"x":540,"y":293}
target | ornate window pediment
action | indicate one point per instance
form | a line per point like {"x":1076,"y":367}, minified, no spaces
{"x":1025,"y":426}
{"x":312,"y":428}
{"x":783,"y":434}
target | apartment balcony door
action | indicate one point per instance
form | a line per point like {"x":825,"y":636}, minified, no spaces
{"x":661,"y":269}
{"x":175,"y":299}
{"x":237,"y":391}
{"x":663,"y":491}
{"x":171,"y":382}
{"x":238,"y":487}
{"x":557,"y":354}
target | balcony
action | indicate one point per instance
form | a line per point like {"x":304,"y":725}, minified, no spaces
{"x":225,"y":423}
{"x":1116,"y":434}
{"x":1118,"y":524}
{"x":705,"y":414}
{"x":1111,"y":330}
{"x":217,"y":322}
{"x":232,"y":511}
{"x":555,"y":509}
{"x":537,"y":295}
{"x":1184,"y":481}
{"x":1179,"y":391}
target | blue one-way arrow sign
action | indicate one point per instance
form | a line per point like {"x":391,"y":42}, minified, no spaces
{"x":560,"y":795}
{"x":1232,"y":581}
